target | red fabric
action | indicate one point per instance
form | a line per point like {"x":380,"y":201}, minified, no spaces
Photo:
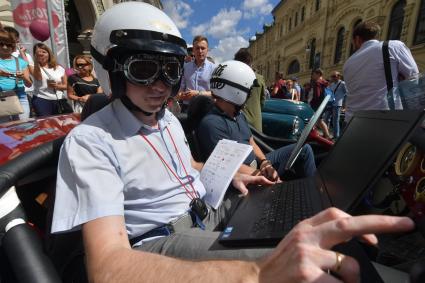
{"x":280,"y":84}
{"x":318,"y":95}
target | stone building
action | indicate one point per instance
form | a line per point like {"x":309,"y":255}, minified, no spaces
{"x":317,"y":33}
{"x":81,"y":17}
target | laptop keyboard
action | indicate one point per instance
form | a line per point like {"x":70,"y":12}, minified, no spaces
{"x":289,"y":205}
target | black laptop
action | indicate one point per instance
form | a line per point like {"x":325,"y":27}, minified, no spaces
{"x":367,"y":147}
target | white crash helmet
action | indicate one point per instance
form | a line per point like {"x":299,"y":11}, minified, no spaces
{"x":232,"y":81}
{"x":131,"y":27}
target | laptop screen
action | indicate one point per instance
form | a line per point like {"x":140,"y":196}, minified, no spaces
{"x":370,"y":141}
{"x":303,"y":137}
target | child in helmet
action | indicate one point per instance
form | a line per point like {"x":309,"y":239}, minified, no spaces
{"x":126,"y":179}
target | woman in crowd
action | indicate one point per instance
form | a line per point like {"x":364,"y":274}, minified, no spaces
{"x":82,"y":84}
{"x":279,"y":88}
{"x":292,"y":91}
{"x":14,"y":74}
{"x":50,"y":82}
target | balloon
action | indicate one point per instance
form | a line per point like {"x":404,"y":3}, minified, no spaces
{"x":40,"y":30}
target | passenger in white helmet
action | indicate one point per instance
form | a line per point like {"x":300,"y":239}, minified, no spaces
{"x":126,"y":179}
{"x":230,"y":85}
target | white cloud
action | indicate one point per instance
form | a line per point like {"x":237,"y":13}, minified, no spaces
{"x":178,"y":11}
{"x":200,"y":29}
{"x":254,"y":8}
{"x":227,"y":47}
{"x":221,"y":25}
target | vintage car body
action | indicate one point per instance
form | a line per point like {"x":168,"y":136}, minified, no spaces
{"x":284,"y":118}
{"x":21,"y":136}
{"x":28,"y":159}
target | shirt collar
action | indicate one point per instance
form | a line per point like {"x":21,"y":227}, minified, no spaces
{"x":131,"y":125}
{"x":218,"y":111}
{"x":368,"y":43}
{"x":202,"y":65}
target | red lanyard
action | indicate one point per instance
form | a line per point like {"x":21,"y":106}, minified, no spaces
{"x":191,"y":194}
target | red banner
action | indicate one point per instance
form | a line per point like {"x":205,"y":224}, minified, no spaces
{"x":25,"y":13}
{"x":31,"y":20}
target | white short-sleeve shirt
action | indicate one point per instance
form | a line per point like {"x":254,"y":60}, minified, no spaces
{"x":364,"y":75}
{"x":106,"y":168}
{"x":42,"y":90}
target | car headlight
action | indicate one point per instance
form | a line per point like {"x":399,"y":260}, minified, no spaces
{"x":296,"y":126}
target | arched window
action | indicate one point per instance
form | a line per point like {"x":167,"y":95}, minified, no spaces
{"x":294,"y":67}
{"x":290,"y":23}
{"x":317,"y":5}
{"x":302,"y":13}
{"x":396,"y":20}
{"x":296,"y":19}
{"x":420,"y":25}
{"x":312,"y":46}
{"x":351,"y":45}
{"x":339,"y":44}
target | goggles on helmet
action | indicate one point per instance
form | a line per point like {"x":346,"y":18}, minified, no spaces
{"x":145,"y":69}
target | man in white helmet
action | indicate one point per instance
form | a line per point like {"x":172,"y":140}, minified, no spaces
{"x":230,"y":84}
{"x":125,"y":178}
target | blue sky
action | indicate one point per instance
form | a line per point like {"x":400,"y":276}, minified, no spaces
{"x":228,"y":24}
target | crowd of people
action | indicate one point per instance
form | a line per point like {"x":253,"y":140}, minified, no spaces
{"x":364,"y":74}
{"x":41,"y":84}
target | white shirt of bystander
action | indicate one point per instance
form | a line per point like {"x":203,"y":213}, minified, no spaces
{"x":364,"y":75}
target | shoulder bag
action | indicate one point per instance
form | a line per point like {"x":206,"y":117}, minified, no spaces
{"x":9,"y":100}
{"x":388,"y":76}
{"x":62,"y":104}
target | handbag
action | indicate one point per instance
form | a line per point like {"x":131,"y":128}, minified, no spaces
{"x":62,"y":104}
{"x":9,"y":101}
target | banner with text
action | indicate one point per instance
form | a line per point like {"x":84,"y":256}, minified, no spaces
{"x":31,"y":20}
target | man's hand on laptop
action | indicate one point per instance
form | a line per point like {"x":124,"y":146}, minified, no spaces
{"x":304,"y":255}
{"x":240,"y":181}
{"x":268,"y":171}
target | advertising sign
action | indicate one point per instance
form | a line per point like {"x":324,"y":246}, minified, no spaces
{"x":31,"y":20}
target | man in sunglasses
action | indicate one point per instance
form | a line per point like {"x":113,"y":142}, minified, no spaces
{"x":125,"y":178}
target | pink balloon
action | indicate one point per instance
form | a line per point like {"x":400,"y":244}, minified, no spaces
{"x":69,"y":72}
{"x":39,"y":30}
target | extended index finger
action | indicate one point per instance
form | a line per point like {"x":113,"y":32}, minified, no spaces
{"x":343,"y":229}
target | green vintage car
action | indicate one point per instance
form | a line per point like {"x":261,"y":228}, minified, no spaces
{"x":284,"y":118}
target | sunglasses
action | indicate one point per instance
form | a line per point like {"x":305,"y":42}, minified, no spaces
{"x":80,"y":66}
{"x":145,"y":69}
{"x":8,"y":45}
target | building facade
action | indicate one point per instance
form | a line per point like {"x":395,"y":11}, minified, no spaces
{"x":81,"y":17}
{"x":307,"y":34}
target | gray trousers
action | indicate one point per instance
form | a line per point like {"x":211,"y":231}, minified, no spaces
{"x":194,"y":243}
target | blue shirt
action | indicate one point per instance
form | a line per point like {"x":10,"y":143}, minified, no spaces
{"x":197,"y":78}
{"x":217,"y":125}
{"x":106,"y":168}
{"x":9,"y":65}
{"x":340,"y":93}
